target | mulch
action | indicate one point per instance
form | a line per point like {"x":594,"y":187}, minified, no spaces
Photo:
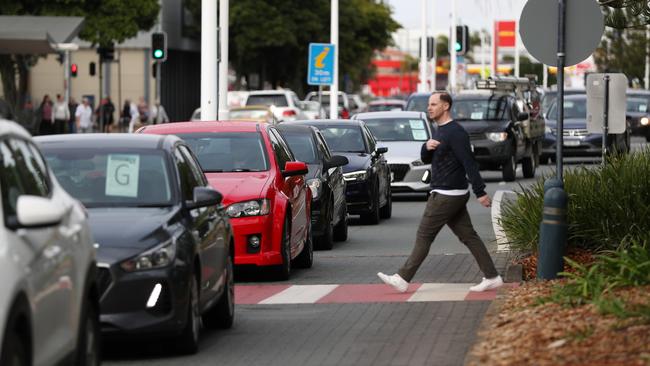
{"x":529,"y":262}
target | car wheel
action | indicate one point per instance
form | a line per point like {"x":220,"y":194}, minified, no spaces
{"x":528,"y":167}
{"x":372,"y":217}
{"x":387,"y":211}
{"x":14,"y":349}
{"x":88,"y":350}
{"x":188,"y":341}
{"x":341,"y":229}
{"x":306,"y":257}
{"x":222,"y":315}
{"x":509,"y":169}
{"x":284,"y":270}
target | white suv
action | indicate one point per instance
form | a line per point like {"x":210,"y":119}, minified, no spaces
{"x":285,"y":103}
{"x":48,"y":294}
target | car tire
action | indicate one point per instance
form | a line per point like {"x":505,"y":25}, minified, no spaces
{"x":509,"y":169}
{"x":528,"y":166}
{"x":222,"y":315}
{"x":188,"y":341}
{"x":14,"y":349}
{"x":341,"y":229}
{"x":387,"y":211}
{"x":306,"y":257}
{"x":283,"y":271}
{"x":88,"y":346}
{"x":372,"y":217}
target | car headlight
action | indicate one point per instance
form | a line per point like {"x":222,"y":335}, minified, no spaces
{"x":547,"y":129}
{"x":497,"y":136}
{"x":355,"y":176}
{"x":417,"y":163}
{"x":645,"y":121}
{"x":249,"y":208}
{"x":314,"y":186}
{"x":160,"y":256}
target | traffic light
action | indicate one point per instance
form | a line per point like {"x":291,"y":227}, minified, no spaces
{"x":431,"y":47}
{"x":159,"y":46}
{"x":462,"y":40}
{"x":73,"y":70}
{"x":91,"y":69}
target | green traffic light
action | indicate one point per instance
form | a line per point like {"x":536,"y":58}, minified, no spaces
{"x":458,"y":47}
{"x":158,"y":53}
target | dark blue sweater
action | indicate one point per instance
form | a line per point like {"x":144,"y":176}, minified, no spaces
{"x":452,"y":162}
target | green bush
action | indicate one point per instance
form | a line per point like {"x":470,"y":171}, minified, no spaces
{"x":606,"y":205}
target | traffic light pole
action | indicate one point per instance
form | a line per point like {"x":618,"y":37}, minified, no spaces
{"x":209,"y":87}
{"x":158,"y":83}
{"x":422,"y":86}
{"x":452,"y":50}
{"x":67,"y":77}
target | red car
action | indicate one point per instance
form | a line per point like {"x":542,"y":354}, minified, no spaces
{"x":263,"y":187}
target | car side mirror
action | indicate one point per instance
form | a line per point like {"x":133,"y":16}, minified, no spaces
{"x":34,"y":211}
{"x":293,"y":168}
{"x":522,"y":116}
{"x":203,"y":197}
{"x":382,"y":150}
{"x":336,"y":161}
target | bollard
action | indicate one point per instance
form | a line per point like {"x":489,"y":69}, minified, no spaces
{"x":552,"y":234}
{"x":552,"y":183}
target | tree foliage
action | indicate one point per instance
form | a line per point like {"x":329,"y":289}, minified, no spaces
{"x":271,"y":38}
{"x":625,"y":13}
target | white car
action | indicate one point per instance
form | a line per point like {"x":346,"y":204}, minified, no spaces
{"x":48,"y":295}
{"x":286,"y":105}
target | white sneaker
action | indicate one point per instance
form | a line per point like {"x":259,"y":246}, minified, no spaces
{"x":487,"y":284}
{"x":396,"y":281}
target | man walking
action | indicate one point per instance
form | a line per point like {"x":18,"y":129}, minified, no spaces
{"x":452,"y":162}
{"x":84,"y":115}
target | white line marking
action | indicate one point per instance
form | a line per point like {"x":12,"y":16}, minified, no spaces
{"x":428,"y":292}
{"x":300,"y":294}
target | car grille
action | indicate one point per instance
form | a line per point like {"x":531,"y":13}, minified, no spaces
{"x":572,"y":132}
{"x":399,"y":171}
{"x":476,"y":136}
{"x":104,"y":280}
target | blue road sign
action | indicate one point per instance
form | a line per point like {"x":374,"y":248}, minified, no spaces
{"x":320,"y":70}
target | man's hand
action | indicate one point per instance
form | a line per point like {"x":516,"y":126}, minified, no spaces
{"x":432,"y":144}
{"x":485,"y":200}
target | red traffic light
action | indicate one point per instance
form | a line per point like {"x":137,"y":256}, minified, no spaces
{"x":73,"y":69}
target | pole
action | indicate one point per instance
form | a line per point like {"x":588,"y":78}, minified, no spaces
{"x":482,"y":74}
{"x":545,"y":76}
{"x":605,"y":118}
{"x":493,"y":64}
{"x":452,"y":49}
{"x":560,"y":87}
{"x":334,"y":35}
{"x":66,"y":76}
{"x":208,"y":60}
{"x":224,"y":10}
{"x":517,"y":48}
{"x":320,"y":99}
{"x":646,"y":78}
{"x":119,"y":90}
{"x":422,"y":86}
{"x":101,"y":94}
{"x":158,"y":64}
{"x":434,"y":73}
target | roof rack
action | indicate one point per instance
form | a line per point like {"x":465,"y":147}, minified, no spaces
{"x":507,"y":83}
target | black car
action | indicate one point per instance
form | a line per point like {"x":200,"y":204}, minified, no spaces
{"x":637,"y":112}
{"x":367,"y":174}
{"x":164,"y":244}
{"x":325,"y":179}
{"x":577,"y":140}
{"x":418,"y":102}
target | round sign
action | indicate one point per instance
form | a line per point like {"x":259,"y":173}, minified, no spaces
{"x":584,"y":26}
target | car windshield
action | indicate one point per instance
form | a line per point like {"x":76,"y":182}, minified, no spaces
{"x":278,"y":100}
{"x":573,"y":108}
{"x":398,"y":129}
{"x":228,"y":151}
{"x":637,"y":105}
{"x":344,"y":138}
{"x":490,"y":109}
{"x":248,"y":114}
{"x":385,"y":107}
{"x":302,"y":146}
{"x":101,"y":177}
{"x":418,"y":104}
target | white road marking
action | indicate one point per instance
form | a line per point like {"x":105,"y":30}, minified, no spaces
{"x":429,"y":292}
{"x":300,"y":294}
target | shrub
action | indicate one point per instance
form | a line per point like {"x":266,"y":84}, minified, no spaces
{"x":606,"y":205}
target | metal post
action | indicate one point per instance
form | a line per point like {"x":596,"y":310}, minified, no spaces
{"x":646,"y":78}
{"x":545,"y":76}
{"x":452,"y":49}
{"x":334,"y":35}
{"x":605,"y":118}
{"x":516,"y":48}
{"x":208,"y":60}
{"x":320,"y":98}
{"x":482,"y":74}
{"x":433,"y":59}
{"x":66,"y":73}
{"x":101,"y":94}
{"x":422,"y":85}
{"x":222,"y":78}
{"x":158,"y":81}
{"x":554,"y":228}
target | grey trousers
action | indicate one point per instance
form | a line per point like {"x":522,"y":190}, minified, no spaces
{"x":452,"y":211}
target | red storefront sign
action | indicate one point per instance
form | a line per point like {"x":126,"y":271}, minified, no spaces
{"x":505,"y":32}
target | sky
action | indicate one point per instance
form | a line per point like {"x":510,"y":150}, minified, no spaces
{"x":473,"y":13}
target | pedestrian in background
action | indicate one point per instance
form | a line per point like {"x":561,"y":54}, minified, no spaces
{"x":72,"y":122}
{"x":45,"y":115}
{"x":104,"y":114}
{"x":452,"y":162}
{"x":143,"y":111}
{"x":158,"y":113}
{"x":61,"y":114}
{"x":125,"y":115}
{"x":84,"y":116}
{"x":135,"y":117}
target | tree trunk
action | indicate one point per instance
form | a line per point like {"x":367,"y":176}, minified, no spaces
{"x":8,"y":75}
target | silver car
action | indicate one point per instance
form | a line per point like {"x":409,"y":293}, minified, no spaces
{"x":48,"y":292}
{"x":403,"y":133}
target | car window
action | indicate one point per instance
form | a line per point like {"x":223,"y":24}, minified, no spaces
{"x":112,"y":177}
{"x":491,"y":109}
{"x":637,"y":105}
{"x":398,"y":129}
{"x":344,"y":138}
{"x":282,"y":153}
{"x":302,"y":146}
{"x":278,"y":100}
{"x":323,"y":145}
{"x":418,"y":103}
{"x":370,"y":139}
{"x":573,"y":108}
{"x":10,"y":183}
{"x":188,"y":179}
{"x":194,"y":166}
{"x":31,"y":167}
{"x":228,"y":151}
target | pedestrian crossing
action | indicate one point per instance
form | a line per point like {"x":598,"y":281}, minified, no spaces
{"x":357,"y":293}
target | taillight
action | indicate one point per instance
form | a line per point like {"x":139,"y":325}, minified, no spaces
{"x":289,"y":113}
{"x":345,"y":114}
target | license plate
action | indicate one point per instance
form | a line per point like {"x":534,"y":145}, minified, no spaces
{"x":571,"y":142}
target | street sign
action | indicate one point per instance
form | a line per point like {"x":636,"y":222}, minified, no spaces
{"x":320,"y":69}
{"x":538,"y":27}
{"x":596,"y":103}
{"x":506,"y":33}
